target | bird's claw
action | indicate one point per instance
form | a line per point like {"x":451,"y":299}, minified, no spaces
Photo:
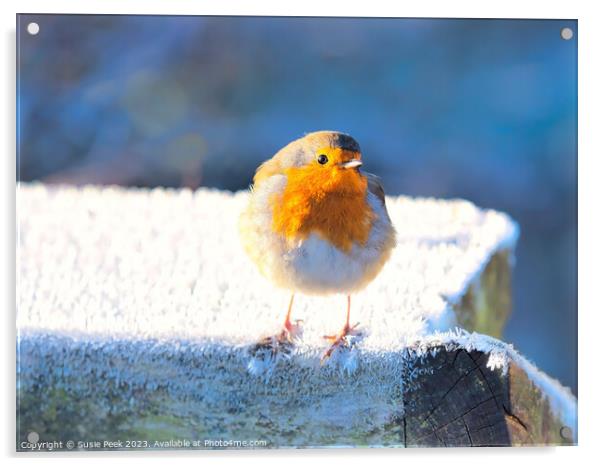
{"x":341,"y":340}
{"x":291,"y":331}
{"x":281,"y":342}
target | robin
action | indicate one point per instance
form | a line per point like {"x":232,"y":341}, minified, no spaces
{"x":316,"y":224}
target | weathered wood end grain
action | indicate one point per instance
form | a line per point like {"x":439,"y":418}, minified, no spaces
{"x":457,"y":401}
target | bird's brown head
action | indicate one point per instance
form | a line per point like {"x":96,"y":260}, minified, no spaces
{"x":323,"y":160}
{"x":331,"y":150}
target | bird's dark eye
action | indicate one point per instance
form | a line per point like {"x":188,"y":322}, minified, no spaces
{"x":322,"y":159}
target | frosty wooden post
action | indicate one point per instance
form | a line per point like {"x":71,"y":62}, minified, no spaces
{"x":138,"y":315}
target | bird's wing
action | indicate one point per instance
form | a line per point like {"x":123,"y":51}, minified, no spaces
{"x":375,"y":187}
{"x":267,"y":169}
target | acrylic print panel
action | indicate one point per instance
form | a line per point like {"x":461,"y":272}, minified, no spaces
{"x":155,"y":306}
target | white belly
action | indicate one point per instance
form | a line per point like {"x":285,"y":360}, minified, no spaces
{"x":313,"y":265}
{"x":317,"y":267}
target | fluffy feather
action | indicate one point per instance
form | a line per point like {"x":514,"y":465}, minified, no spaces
{"x":317,"y":228}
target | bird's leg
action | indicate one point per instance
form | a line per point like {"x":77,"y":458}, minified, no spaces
{"x":340,"y":339}
{"x":289,"y":329}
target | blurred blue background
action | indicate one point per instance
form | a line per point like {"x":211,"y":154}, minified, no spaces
{"x":479,"y":109}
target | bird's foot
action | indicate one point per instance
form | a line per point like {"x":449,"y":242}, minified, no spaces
{"x":344,"y":339}
{"x":291,"y":332}
{"x":281,"y":343}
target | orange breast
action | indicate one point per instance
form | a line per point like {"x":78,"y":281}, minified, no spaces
{"x":329,"y":202}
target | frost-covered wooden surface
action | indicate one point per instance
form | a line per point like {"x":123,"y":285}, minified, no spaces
{"x":137,"y":310}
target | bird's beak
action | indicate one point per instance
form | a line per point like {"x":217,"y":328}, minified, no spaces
{"x":353,"y":163}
